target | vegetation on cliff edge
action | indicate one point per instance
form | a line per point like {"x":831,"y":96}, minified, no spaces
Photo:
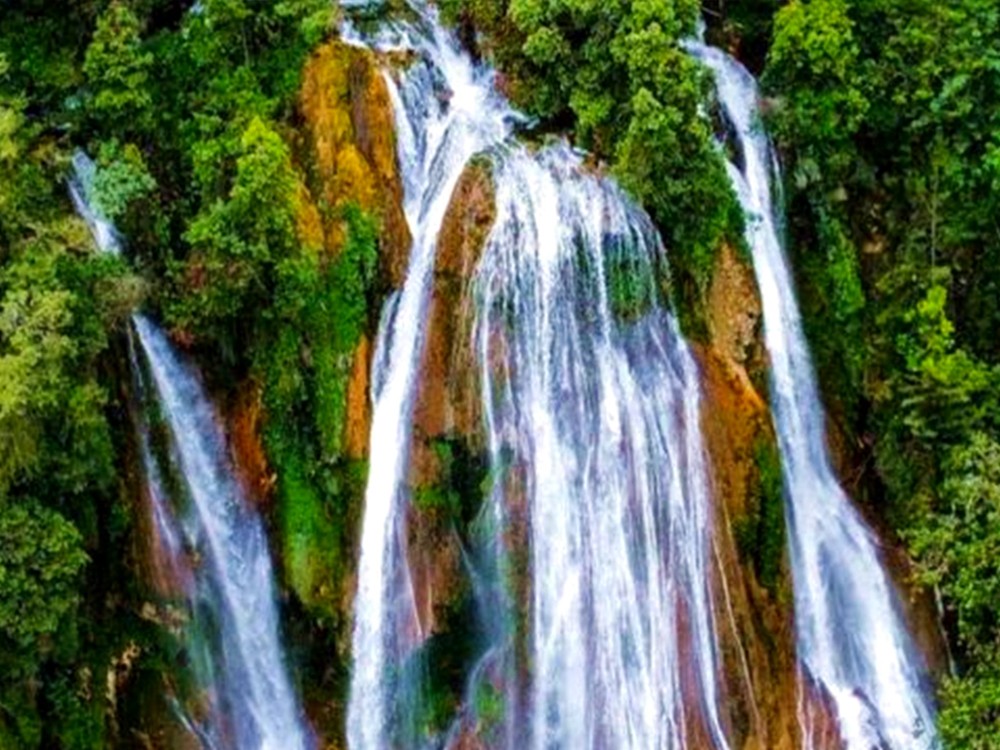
{"x":888,"y":113}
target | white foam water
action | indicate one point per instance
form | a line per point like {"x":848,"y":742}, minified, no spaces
{"x":592,"y":396}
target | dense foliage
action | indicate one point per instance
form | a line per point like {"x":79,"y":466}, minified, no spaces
{"x":888,"y":114}
{"x":187,"y":113}
{"x":58,"y":305}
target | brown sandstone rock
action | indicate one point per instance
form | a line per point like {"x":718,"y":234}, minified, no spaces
{"x":349,"y":151}
{"x":447,"y":399}
{"x":755,"y":626}
{"x":249,"y":459}
{"x":448,"y":396}
{"x":734,"y":319}
{"x":347,"y":148}
{"x":755,"y":631}
{"x":357,"y":424}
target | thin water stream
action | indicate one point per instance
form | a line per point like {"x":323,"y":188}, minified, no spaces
{"x":213,"y":541}
{"x":851,"y":636}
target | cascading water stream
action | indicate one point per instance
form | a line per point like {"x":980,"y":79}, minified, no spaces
{"x":592,"y":396}
{"x":234,"y":582}
{"x":215,"y":538}
{"x":80,"y":186}
{"x":851,"y":637}
{"x":600,"y":412}
{"x":445,"y":111}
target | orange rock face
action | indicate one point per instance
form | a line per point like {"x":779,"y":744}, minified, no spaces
{"x":734,"y":320}
{"x":447,"y":400}
{"x":770,"y":704}
{"x":346,"y":149}
{"x":349,"y":153}
{"x":755,"y":626}
{"x":449,"y":393}
{"x":244,"y":436}
{"x":357,"y":423}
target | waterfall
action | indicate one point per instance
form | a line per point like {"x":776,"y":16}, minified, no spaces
{"x":445,"y":112}
{"x":214,"y":542}
{"x":592,"y":397}
{"x":81,"y":186}
{"x":234,"y":582}
{"x":851,"y":637}
{"x":595,"y":401}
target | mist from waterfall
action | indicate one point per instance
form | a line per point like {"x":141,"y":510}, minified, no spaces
{"x":851,"y":637}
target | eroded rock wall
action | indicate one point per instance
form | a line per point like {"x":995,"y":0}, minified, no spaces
{"x":753,"y":620}
{"x":448,"y":465}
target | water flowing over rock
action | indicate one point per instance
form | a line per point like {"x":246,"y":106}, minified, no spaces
{"x":566,"y":541}
{"x":253,"y":703}
{"x":447,"y":416}
{"x":592,"y":402}
{"x":851,"y":637}
{"x":212,"y":545}
{"x":590,"y":398}
{"x":445,"y":112}
{"x":81,"y":187}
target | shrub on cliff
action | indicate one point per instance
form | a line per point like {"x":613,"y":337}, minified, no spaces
{"x":615,"y":73}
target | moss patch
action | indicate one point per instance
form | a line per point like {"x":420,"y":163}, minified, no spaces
{"x":305,"y":367}
{"x":760,"y":533}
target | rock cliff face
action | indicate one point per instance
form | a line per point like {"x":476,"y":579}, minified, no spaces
{"x":752,"y":589}
{"x":447,"y":462}
{"x":248,"y":451}
{"x":346,"y":153}
{"x":348,"y":150}
{"x":449,"y":396}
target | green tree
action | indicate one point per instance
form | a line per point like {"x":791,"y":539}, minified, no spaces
{"x":813,"y":65}
{"x":122,"y":178}
{"x":236,"y":241}
{"x":41,"y":561}
{"x":11,"y":149}
{"x":117,"y":68}
{"x":41,"y":566}
{"x":970,"y":714}
{"x":957,"y":544}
